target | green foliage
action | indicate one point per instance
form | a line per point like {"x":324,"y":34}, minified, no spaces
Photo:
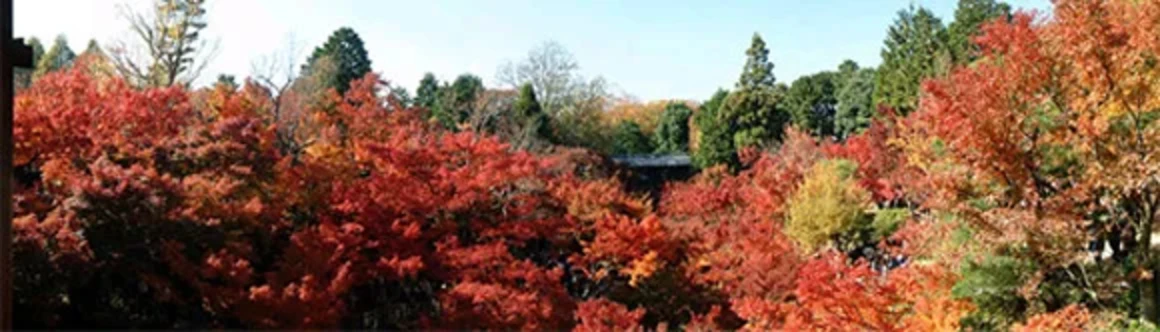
{"x":915,"y":49}
{"x":672,"y":132}
{"x":752,"y":111}
{"x":531,"y":115}
{"x":627,"y":139}
{"x":58,"y":57}
{"x":427,"y":94}
{"x":345,"y":48}
{"x":457,"y":101}
{"x":716,"y":142}
{"x":855,"y":103}
{"x":886,"y":221}
{"x":993,"y":286}
{"x":401,"y":95}
{"x":828,"y":204}
{"x":811,"y":103}
{"x":969,"y":16}
{"x":229,"y":81}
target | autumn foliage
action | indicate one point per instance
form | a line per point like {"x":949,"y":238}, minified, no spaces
{"x":1020,"y":194}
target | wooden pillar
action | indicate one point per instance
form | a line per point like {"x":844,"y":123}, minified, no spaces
{"x":12,"y":53}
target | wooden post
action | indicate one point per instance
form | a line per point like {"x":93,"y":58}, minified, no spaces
{"x":12,"y":53}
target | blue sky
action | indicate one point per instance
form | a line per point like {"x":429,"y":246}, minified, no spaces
{"x":651,"y":49}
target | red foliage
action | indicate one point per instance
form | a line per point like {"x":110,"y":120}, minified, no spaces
{"x":603,"y":315}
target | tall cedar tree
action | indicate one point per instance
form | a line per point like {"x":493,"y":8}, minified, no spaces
{"x":672,"y":132}
{"x":752,"y":110}
{"x":345,"y":48}
{"x":915,"y":49}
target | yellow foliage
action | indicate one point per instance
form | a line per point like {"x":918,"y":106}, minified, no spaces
{"x":642,"y":268}
{"x":828,"y":202}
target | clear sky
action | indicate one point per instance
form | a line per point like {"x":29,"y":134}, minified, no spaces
{"x":651,"y":49}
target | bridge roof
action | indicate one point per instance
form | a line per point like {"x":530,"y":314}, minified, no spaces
{"x":672,"y":160}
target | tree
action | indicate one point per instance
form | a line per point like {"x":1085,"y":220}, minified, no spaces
{"x":1043,"y":146}
{"x":58,"y":57}
{"x":576,"y":104}
{"x":345,"y":48}
{"x":811,"y":102}
{"x":828,"y":204}
{"x":672,"y":134}
{"x":228,"y":81}
{"x":167,"y":46}
{"x":855,"y":106}
{"x":97,"y":60}
{"x":457,"y":101}
{"x":915,"y":49}
{"x":715,"y":143}
{"x":427,"y":94}
{"x":627,"y":139}
{"x":969,"y":17}
{"x":551,"y":70}
{"x":528,"y":110}
{"x":752,"y":110}
{"x":23,"y":76}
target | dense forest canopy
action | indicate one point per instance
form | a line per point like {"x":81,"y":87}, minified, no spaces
{"x":997,"y":171}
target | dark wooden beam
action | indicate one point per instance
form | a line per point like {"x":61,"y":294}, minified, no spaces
{"x":12,"y":53}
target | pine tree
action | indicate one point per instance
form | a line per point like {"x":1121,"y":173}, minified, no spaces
{"x":58,"y":57}
{"x":672,"y":132}
{"x":752,"y":110}
{"x":915,"y":49}
{"x":351,"y":62}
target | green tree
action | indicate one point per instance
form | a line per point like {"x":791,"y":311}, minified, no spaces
{"x":402,"y":96}
{"x":915,"y":48}
{"x":672,"y":132}
{"x":427,"y":94}
{"x":351,"y":62}
{"x":58,"y":57}
{"x":529,"y":112}
{"x":811,"y":103}
{"x":458,"y":101}
{"x":228,"y":81}
{"x":627,"y":138}
{"x":752,"y":110}
{"x":716,"y":141}
{"x":969,"y":16}
{"x":23,"y":76}
{"x":855,"y":103}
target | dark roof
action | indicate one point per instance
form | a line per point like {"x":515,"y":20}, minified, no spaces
{"x":673,"y":160}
